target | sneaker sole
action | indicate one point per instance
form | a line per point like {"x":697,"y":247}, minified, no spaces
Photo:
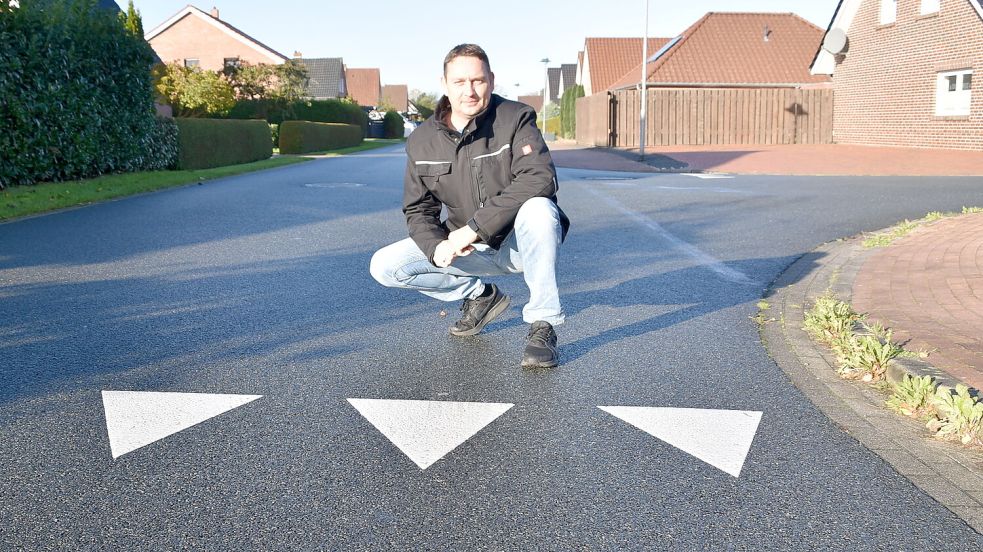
{"x":493,"y":313}
{"x":548,"y":364}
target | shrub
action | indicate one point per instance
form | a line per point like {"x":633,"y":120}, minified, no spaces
{"x":304,"y":136}
{"x":77,"y":95}
{"x":193,"y":92}
{"x":393,"y":125}
{"x":275,"y":132}
{"x":318,"y":111}
{"x":206,"y":143}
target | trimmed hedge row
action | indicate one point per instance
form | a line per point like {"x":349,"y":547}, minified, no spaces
{"x":76,"y":97}
{"x":206,"y":143}
{"x":305,"y":136}
{"x":318,"y":111}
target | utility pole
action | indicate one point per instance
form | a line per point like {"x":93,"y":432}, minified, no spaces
{"x":644,"y":102}
{"x":546,"y":90}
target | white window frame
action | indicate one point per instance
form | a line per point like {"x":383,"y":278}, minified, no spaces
{"x":930,"y":6}
{"x":889,"y":11}
{"x":953,"y":103}
{"x":191,"y":62}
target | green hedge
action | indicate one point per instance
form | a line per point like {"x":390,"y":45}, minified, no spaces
{"x":76,"y":95}
{"x":393,"y":125}
{"x":318,"y":111}
{"x":206,"y":143}
{"x":305,"y":136}
{"x":568,"y":111}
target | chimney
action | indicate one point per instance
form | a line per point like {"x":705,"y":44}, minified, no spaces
{"x":298,"y":54}
{"x":214,"y":12}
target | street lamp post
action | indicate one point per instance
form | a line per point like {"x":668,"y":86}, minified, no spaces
{"x":641,"y":115}
{"x":546,"y":89}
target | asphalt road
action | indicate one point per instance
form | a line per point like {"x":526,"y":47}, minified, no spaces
{"x":259,"y":285}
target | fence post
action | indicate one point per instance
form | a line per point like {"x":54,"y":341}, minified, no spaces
{"x":612,"y":120}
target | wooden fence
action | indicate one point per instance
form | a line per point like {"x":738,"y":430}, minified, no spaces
{"x":708,"y":116}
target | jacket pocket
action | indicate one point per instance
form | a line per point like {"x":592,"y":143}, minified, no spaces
{"x":494,"y":172}
{"x":435,"y":176}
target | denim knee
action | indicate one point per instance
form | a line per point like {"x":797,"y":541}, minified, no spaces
{"x":381,"y":267}
{"x":538,"y":214}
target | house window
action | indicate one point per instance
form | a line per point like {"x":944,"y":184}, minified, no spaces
{"x":952,"y":96}
{"x":191,"y":62}
{"x":231,"y":63}
{"x":889,"y":11}
{"x":929,"y":6}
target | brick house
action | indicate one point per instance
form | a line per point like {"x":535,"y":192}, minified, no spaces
{"x":199,"y":39}
{"x":906,"y":72}
{"x":365,"y":86}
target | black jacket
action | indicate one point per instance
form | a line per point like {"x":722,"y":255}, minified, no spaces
{"x":482,"y":175}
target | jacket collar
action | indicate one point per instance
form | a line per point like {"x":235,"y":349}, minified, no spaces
{"x":442,"y":113}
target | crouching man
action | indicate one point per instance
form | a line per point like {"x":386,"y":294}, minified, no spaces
{"x":482,"y":159}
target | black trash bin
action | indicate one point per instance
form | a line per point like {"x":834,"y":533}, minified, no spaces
{"x":377,"y":129}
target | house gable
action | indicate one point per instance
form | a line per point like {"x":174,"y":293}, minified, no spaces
{"x":192,"y":33}
{"x":364,"y":85}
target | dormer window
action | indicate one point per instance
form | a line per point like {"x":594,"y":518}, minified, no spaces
{"x":889,"y":11}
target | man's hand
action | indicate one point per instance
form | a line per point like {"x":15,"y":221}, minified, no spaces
{"x":461,"y":239}
{"x":444,"y":254}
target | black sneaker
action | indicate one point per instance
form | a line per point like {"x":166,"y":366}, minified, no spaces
{"x":540,"y":346}
{"x":477,"y":313}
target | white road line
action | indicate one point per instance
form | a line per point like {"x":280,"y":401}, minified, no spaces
{"x":137,"y":418}
{"x":699,"y":256}
{"x":721,"y":438}
{"x":426,"y":431}
{"x":708,"y":176}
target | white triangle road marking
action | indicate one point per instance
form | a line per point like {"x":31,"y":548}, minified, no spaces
{"x":137,"y":418}
{"x":721,"y":438}
{"x":426,"y":431}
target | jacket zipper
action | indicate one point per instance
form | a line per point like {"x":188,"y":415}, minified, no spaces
{"x":475,"y":186}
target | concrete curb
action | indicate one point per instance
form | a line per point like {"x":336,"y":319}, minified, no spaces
{"x":947,"y":472}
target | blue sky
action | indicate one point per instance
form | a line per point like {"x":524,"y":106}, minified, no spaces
{"x":407,"y":41}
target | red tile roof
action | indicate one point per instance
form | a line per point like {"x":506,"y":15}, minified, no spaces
{"x":364,"y":85}
{"x":608,"y":59}
{"x":396,"y":95}
{"x":730,"y":48}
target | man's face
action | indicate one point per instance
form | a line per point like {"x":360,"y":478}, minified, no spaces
{"x":468,"y":85}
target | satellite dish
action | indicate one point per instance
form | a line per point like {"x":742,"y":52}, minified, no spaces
{"x":835,"y":41}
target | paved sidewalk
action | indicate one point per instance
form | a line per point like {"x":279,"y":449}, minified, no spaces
{"x":800,"y":159}
{"x":928,"y":288}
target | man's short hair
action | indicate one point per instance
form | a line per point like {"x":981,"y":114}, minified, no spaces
{"x":467,"y":50}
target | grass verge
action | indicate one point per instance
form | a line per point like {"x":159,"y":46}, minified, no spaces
{"x":367,"y":144}
{"x":20,"y":201}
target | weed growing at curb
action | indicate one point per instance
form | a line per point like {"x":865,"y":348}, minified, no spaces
{"x":861,"y":356}
{"x":959,"y":415}
{"x":905,"y":227}
{"x":863,"y":351}
{"x":912,"y":397}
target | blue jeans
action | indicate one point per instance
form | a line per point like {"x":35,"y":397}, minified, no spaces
{"x":531,"y":248}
